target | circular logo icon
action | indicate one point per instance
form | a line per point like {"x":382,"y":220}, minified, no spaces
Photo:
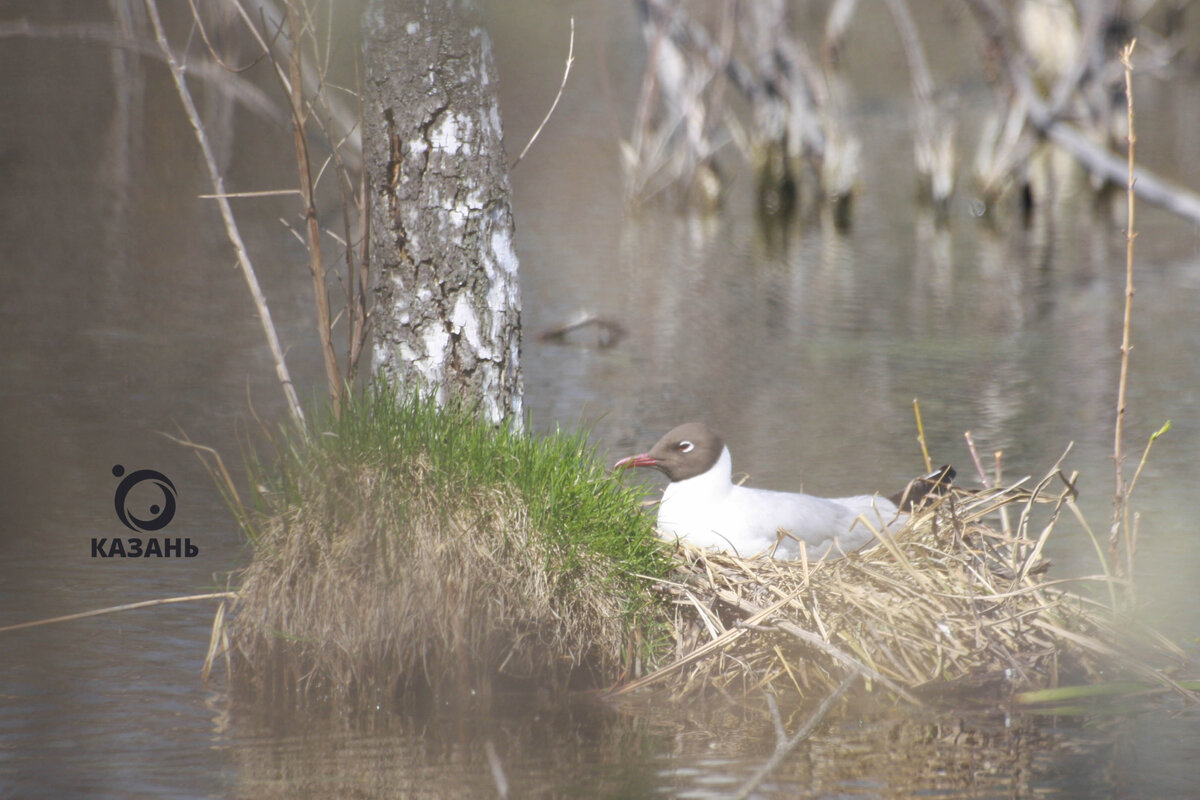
{"x":161,"y":513}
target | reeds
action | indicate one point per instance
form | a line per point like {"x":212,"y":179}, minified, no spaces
{"x":948,"y":602}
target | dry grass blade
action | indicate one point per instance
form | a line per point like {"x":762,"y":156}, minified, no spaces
{"x":214,"y":642}
{"x":215,"y":470}
{"x":162,"y":601}
{"x":716,"y":645}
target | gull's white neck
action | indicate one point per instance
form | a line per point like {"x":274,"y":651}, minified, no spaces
{"x":718,"y":479}
{"x":684,"y":506}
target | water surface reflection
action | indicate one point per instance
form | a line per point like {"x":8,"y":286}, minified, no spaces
{"x":122,"y":317}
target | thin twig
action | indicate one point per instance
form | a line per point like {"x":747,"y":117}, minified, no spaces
{"x":1005,"y":525}
{"x":162,"y":601}
{"x":357,"y":275}
{"x":231,"y":228}
{"x":336,"y":122}
{"x":1120,"y":494}
{"x":214,"y":52}
{"x":557,"y":97}
{"x":1145,"y":455}
{"x":316,"y":264}
{"x":1131,"y":537}
{"x":232,"y":85}
{"x":244,"y":195}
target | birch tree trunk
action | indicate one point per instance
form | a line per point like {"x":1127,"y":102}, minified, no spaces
{"x":447,"y":304}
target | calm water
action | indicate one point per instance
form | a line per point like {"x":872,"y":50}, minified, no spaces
{"x":122,"y":317}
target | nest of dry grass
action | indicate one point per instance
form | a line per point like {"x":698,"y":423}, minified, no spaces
{"x":948,"y":601}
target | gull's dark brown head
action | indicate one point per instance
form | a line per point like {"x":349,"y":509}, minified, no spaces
{"x":687,"y":451}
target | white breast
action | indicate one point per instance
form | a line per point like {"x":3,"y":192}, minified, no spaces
{"x":710,"y":511}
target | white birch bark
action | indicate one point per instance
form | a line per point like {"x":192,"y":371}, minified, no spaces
{"x":447,"y":302}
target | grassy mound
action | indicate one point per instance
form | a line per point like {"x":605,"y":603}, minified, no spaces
{"x":405,"y":548}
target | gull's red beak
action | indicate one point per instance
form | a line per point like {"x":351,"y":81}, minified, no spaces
{"x":640,"y":460}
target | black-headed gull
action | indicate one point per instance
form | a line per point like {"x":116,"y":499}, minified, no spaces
{"x":703,"y":505}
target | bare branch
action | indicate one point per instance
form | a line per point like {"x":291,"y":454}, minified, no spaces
{"x":231,"y":228}
{"x":316,"y":264}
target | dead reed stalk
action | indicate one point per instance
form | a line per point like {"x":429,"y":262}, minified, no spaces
{"x":1120,"y":492}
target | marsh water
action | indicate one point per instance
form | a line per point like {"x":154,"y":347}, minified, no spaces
{"x":123,"y":317}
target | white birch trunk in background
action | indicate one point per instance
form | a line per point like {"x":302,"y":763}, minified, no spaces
{"x":447,"y":304}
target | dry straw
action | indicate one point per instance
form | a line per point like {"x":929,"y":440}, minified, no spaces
{"x":337,"y":606}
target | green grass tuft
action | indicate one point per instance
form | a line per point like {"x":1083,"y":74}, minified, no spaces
{"x":406,"y":546}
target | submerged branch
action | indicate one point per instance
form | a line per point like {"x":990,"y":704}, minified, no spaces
{"x":784,"y":747}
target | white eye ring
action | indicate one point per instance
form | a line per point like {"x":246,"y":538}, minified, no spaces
{"x":686,"y":447}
